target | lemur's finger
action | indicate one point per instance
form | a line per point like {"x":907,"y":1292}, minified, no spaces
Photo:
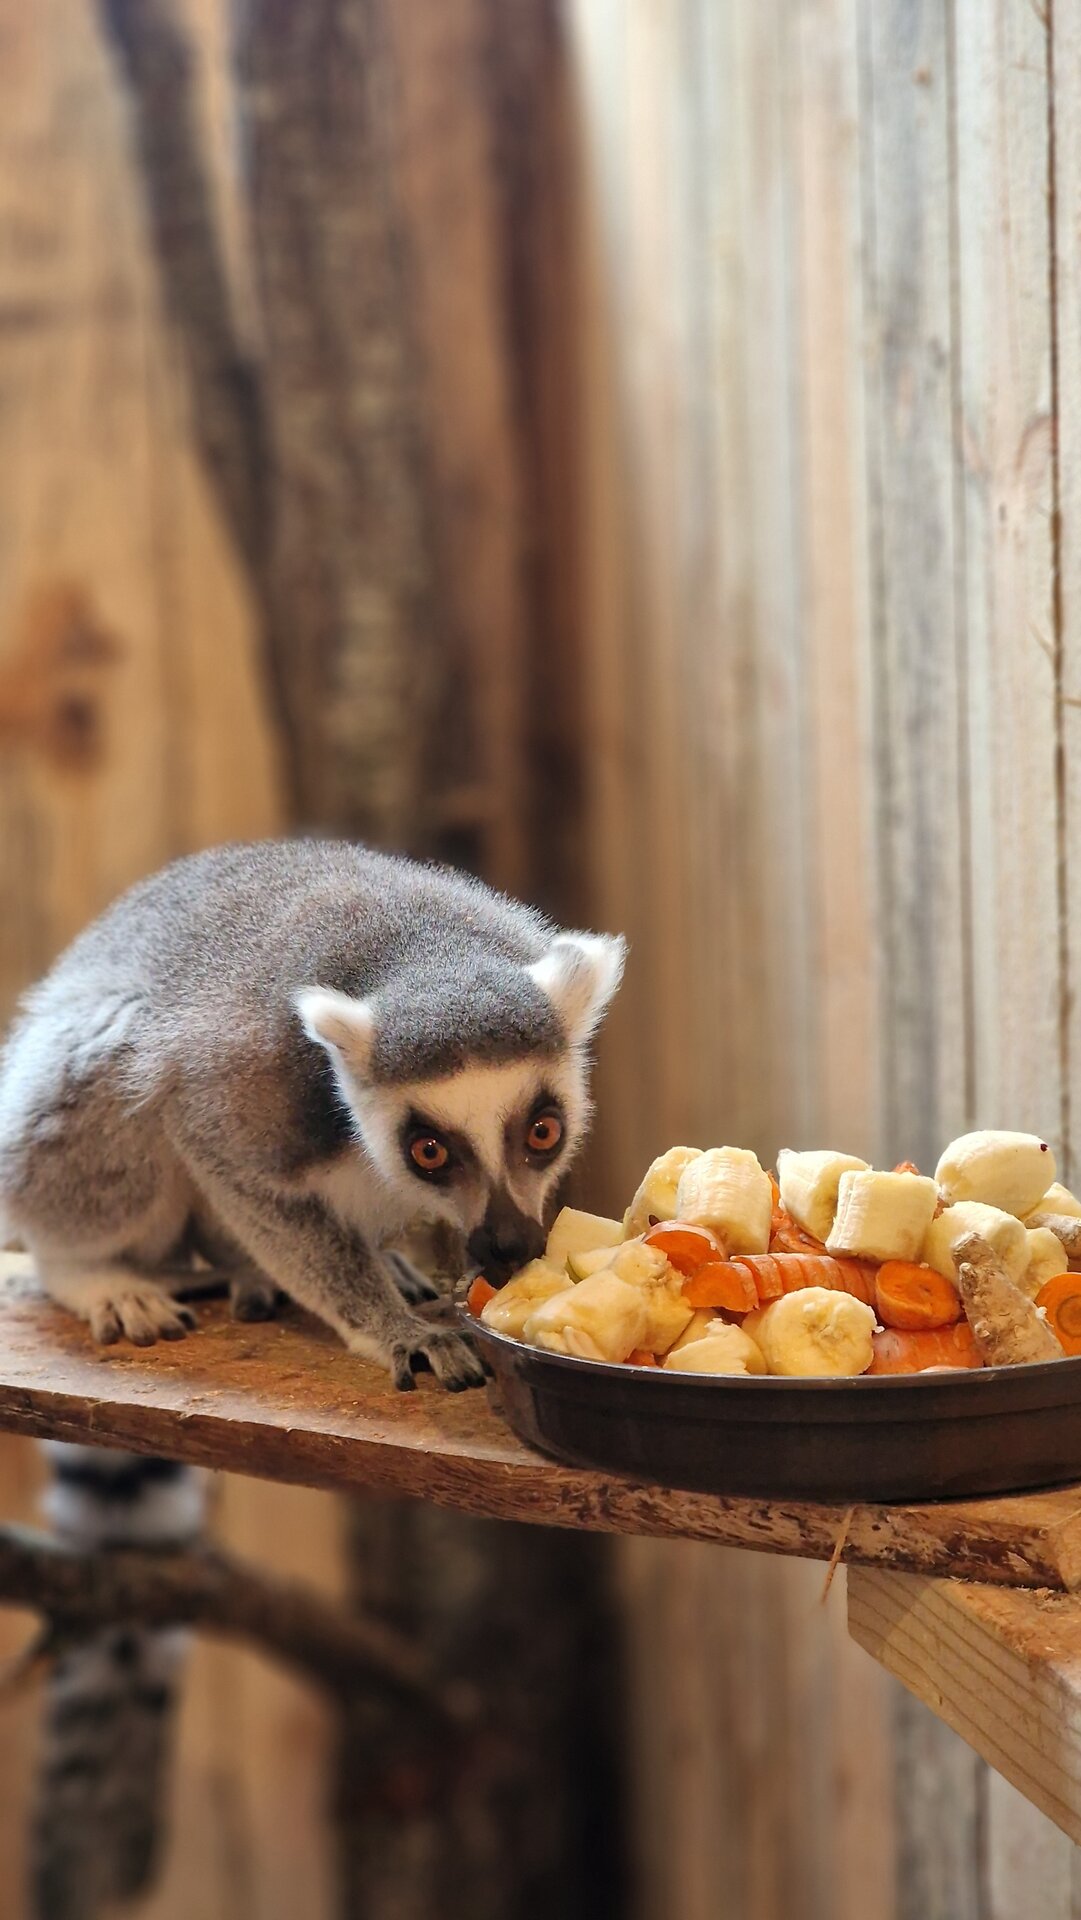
{"x":401,"y":1371}
{"x":452,"y":1360}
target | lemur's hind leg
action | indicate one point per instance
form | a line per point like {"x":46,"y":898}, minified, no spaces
{"x":116,"y":1301}
{"x":253,"y":1295}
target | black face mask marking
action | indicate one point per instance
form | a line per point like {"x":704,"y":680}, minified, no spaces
{"x":506,"y":1239}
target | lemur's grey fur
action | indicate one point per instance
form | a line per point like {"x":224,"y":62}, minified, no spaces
{"x":233,"y":1056}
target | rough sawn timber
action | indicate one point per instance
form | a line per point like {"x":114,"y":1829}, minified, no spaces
{"x":285,"y":1401}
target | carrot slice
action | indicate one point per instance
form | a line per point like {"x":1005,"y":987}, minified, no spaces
{"x":914,"y":1298}
{"x":479,"y":1295}
{"x":723,"y":1283}
{"x":901,"y":1352}
{"x":906,"y":1166}
{"x":642,"y":1357}
{"x":684,"y":1247}
{"x":1061,"y":1299}
{"x":787,"y":1236}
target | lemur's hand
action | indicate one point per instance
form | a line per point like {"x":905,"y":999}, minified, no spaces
{"x":449,"y":1354}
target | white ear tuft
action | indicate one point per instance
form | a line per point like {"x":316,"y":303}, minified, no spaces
{"x":580,"y":973}
{"x":341,"y":1024}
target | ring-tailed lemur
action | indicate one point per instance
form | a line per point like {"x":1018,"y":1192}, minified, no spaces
{"x":286,"y":1054}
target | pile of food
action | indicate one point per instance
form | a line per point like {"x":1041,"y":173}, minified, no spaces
{"x":828,"y":1268}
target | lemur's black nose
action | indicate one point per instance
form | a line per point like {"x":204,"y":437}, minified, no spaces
{"x":506,"y":1239}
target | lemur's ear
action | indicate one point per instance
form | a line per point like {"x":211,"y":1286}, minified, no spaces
{"x":580,"y":973}
{"x":346,"y":1027}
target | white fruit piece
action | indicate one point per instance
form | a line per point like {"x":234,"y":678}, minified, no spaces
{"x":576,"y":1232}
{"x":1003,"y":1232}
{"x":1046,"y":1257}
{"x":581,"y":1265}
{"x":701,"y":1320}
{"x":509,"y":1309}
{"x":661,"y":1287}
{"x":882,"y":1216}
{"x":814,"y":1331}
{"x":809,"y":1182}
{"x":1006,"y":1170}
{"x":727,"y":1191}
{"x":1058,"y":1199}
{"x":601,"y":1319}
{"x":656,"y":1197}
{"x":725,"y":1349}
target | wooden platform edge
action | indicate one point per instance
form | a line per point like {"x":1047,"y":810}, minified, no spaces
{"x":1002,"y":1669}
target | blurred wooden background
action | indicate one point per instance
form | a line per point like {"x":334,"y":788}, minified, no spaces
{"x":632,"y":447}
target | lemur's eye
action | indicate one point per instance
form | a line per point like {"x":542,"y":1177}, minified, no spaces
{"x":428,"y":1153}
{"x":545,"y":1133}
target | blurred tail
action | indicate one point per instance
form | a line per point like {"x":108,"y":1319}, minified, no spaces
{"x":110,"y":1700}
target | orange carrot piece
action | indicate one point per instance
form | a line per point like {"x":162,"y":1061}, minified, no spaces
{"x":914,"y":1299}
{"x":642,"y":1357}
{"x":479,"y":1295}
{"x":900,"y":1352}
{"x":787,"y":1236}
{"x":723,"y":1283}
{"x":684,"y":1247}
{"x":1061,"y":1299}
{"x":906,"y":1166}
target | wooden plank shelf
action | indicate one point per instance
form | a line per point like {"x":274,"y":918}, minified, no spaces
{"x":1002,"y":1669}
{"x":285,"y":1401}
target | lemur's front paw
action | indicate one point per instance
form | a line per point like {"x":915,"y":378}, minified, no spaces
{"x":413,"y":1285}
{"x":252,"y":1296}
{"x":139,"y":1312}
{"x":449,"y":1355}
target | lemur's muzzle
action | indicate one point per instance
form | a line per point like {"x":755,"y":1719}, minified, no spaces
{"x":506,"y":1239}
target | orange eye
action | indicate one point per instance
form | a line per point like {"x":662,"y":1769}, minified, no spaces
{"x":428,"y":1153}
{"x":545,"y":1133}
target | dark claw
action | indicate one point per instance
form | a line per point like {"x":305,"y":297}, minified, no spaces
{"x":253,"y":1299}
{"x":144,"y":1338}
{"x":176,"y":1332}
{"x":401,"y":1372}
{"x":109,"y":1332}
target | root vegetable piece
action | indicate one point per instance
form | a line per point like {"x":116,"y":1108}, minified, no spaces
{"x":510,"y":1308}
{"x":1008,"y":1328}
{"x":656,"y":1197}
{"x":787,"y":1236}
{"x":727,"y":1191}
{"x":725,"y":1349}
{"x":816,"y":1331}
{"x":1060,"y":1299}
{"x":684,"y":1247}
{"x":775,"y":1274}
{"x":723,"y":1283}
{"x":914,"y":1298}
{"x":1066,"y":1229}
{"x":1007,"y":1170}
{"x":600,"y":1319}
{"x":479,"y":1295}
{"x":1003,"y":1232}
{"x":902,"y":1352}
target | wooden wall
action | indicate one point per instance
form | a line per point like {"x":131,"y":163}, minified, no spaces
{"x":833,"y":448}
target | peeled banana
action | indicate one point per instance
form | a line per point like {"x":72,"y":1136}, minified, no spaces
{"x":509,"y":1309}
{"x":600,"y":1319}
{"x":1046,"y":1258}
{"x":1058,"y":1199}
{"x":656,"y":1197}
{"x":882,"y":1216}
{"x":724,"y":1349}
{"x":1007,"y":1170}
{"x":809,"y":1183}
{"x":727,"y":1191}
{"x":814,"y":1331}
{"x":1003,"y":1232}
{"x":661,"y":1289}
{"x":577,"y":1232}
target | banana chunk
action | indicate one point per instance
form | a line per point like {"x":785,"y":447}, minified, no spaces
{"x":725,"y":1349}
{"x":882,"y":1216}
{"x":814,"y":1331}
{"x":510,"y":1308}
{"x":656,"y":1197}
{"x":1046,"y":1258}
{"x":600,"y":1319}
{"x":574,"y":1232}
{"x":1003,"y":1232}
{"x":1058,"y":1199}
{"x":661,"y":1289}
{"x":699,"y":1324}
{"x":809,"y":1183}
{"x":1006,"y":1170}
{"x":727,"y":1191}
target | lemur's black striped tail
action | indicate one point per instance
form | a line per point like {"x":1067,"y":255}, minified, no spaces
{"x":109,"y":1706}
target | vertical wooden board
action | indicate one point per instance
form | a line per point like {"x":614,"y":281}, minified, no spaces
{"x":1029,"y":1863}
{"x":1065,"y":56}
{"x":920,"y":851}
{"x":1004,"y":463}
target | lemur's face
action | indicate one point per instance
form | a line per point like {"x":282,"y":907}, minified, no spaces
{"x":482,"y":1147}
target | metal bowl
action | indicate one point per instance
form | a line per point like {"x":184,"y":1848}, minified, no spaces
{"x":895,"y":1437}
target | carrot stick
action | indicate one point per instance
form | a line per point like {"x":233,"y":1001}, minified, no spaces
{"x":642,"y":1357}
{"x":1061,"y":1299}
{"x":684,"y":1247}
{"x":914,"y":1298}
{"x":774,"y":1274}
{"x":479,"y":1295}
{"x":906,"y":1166}
{"x":903,"y":1352}
{"x":787,"y":1236}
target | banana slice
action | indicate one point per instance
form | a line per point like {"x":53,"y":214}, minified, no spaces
{"x":656,"y":1197}
{"x":509,"y":1309}
{"x":882,"y":1216}
{"x":1046,"y":1258}
{"x":809,"y":1183}
{"x":577,"y":1232}
{"x":726,"y":1349}
{"x":814,"y":1331}
{"x":600,"y":1319}
{"x":1058,"y":1199}
{"x":727,"y":1191}
{"x":661,"y":1289}
{"x":1006,"y":1170}
{"x":1003,"y":1232}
